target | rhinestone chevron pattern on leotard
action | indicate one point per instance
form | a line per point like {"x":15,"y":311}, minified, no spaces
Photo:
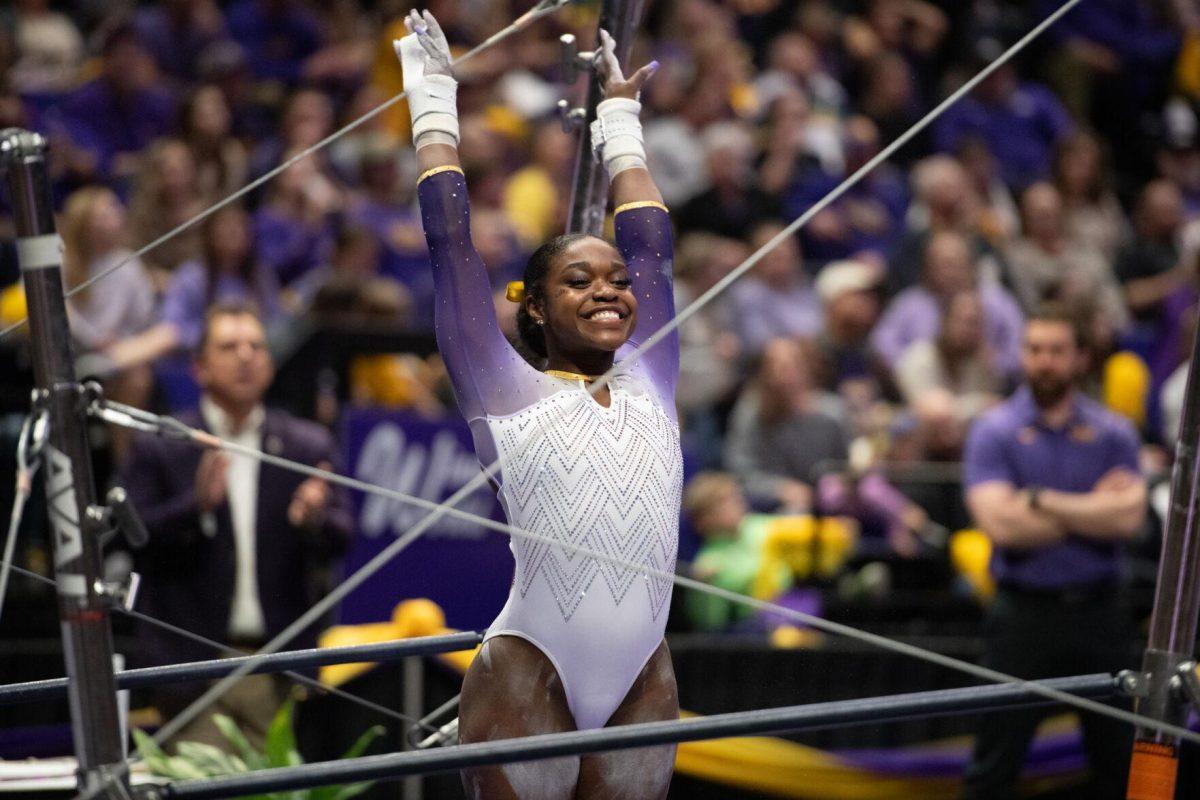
{"x":604,"y":479}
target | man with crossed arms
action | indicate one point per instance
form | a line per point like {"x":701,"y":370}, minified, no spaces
{"x":1052,"y":477}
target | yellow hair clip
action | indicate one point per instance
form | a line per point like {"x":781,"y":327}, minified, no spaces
{"x":515,"y":292}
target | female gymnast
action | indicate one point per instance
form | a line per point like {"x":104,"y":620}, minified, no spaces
{"x":579,"y":643}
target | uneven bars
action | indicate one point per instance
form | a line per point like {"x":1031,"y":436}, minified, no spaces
{"x":872,"y":710}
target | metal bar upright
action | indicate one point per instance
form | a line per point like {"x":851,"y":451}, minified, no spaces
{"x":1172,"y":639}
{"x":82,"y":604}
{"x":414,"y":692}
{"x":589,"y":192}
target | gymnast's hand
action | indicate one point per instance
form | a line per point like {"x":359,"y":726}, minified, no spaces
{"x":609,"y":70}
{"x":432,"y":40}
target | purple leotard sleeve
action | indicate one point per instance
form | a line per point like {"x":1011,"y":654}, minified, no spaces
{"x":643,"y":232}
{"x":488,"y":375}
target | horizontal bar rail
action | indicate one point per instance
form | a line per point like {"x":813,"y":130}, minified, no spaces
{"x":276,"y":662}
{"x":788,"y":719}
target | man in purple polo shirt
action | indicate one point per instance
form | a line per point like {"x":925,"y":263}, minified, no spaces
{"x":1052,"y":478}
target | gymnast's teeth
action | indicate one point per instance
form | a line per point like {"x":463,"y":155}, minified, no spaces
{"x":606,"y":315}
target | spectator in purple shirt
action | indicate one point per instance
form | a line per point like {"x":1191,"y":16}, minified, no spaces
{"x":110,"y":120}
{"x":278,"y":36}
{"x":176,"y":32}
{"x":1021,"y":123}
{"x":1111,"y":64}
{"x":775,"y":299}
{"x":915,"y":314}
{"x":384,"y":207}
{"x":843,"y":360}
{"x":293,"y":230}
{"x":1114,"y":35}
{"x":307,"y":119}
{"x":1053,"y":479}
{"x":869,"y":216}
{"x":226,"y":271}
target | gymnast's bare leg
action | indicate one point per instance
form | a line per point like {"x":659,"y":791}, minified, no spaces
{"x":644,"y":773}
{"x":511,"y":690}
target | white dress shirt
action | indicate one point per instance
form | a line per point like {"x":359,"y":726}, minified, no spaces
{"x":246,"y":615}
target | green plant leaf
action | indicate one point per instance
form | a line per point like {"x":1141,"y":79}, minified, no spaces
{"x":352,"y":789}
{"x":212,"y":760}
{"x":233,"y":734}
{"x":183,"y":769}
{"x":363,"y":742}
{"x":281,"y":738}
{"x":152,"y":754}
{"x":204,"y":757}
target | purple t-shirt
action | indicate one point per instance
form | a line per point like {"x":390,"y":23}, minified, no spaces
{"x":915,"y":315}
{"x":1021,"y":133}
{"x":1133,"y":30}
{"x":762,"y":313}
{"x":1011,"y":444}
{"x":106,"y":124}
{"x":189,"y":295}
{"x":277,"y":39}
{"x":290,"y":247}
{"x":883,"y":191}
{"x":410,"y":267}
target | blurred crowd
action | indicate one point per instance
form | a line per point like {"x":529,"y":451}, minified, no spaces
{"x":871,"y":339}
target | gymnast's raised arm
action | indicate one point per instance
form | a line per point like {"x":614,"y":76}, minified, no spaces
{"x":643,"y":230}
{"x":479,"y":359}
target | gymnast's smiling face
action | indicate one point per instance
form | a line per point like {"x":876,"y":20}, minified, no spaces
{"x":588,"y":301}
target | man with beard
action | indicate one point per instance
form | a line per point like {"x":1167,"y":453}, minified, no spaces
{"x":1052,"y":478}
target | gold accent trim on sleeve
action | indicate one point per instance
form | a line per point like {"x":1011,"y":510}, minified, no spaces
{"x":429,"y":173}
{"x":640,"y":204}
{"x":515,"y":292}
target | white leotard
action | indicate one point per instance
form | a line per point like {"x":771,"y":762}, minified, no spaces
{"x":604,"y":479}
